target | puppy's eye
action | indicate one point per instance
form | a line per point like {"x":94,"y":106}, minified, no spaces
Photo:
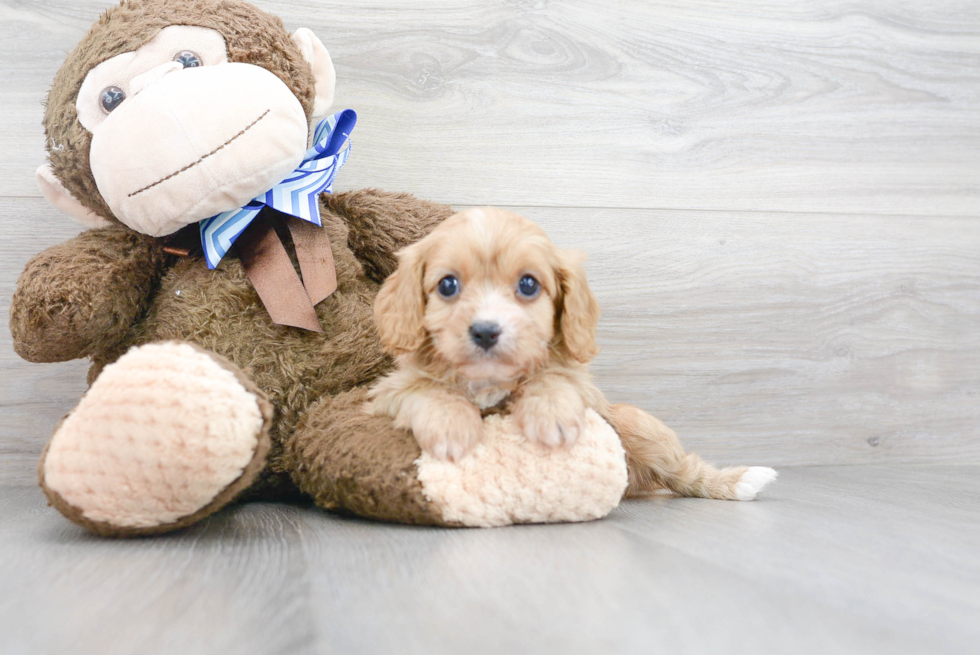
{"x":528,"y":287}
{"x":448,"y":286}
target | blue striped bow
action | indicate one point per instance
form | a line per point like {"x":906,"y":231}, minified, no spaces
{"x":296,"y":195}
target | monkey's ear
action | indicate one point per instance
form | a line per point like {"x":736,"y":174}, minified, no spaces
{"x":55,"y":193}
{"x":326,"y":77}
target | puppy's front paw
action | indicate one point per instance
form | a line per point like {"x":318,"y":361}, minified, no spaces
{"x":554,"y":419}
{"x":448,"y":431}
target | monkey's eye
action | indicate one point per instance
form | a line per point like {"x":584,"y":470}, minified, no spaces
{"x":111,"y":97}
{"x":448,"y":286}
{"x":528,"y":287}
{"x":188,"y":59}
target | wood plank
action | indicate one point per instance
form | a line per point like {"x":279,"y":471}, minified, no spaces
{"x":761,"y":338}
{"x":849,"y":107}
{"x":33,"y":397}
{"x":228,"y":586}
{"x":833,"y":559}
{"x":789,"y":339}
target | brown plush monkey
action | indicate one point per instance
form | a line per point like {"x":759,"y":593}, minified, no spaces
{"x":169,"y":112}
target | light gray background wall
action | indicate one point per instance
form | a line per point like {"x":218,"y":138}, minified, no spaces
{"x":780,"y":200}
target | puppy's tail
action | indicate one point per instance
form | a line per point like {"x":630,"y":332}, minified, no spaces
{"x":656,"y":459}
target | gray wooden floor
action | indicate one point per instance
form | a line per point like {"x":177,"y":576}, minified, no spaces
{"x":868,"y":559}
{"x":781,"y":206}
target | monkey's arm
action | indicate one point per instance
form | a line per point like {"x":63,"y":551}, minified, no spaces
{"x":383,"y":223}
{"x":82,"y":296}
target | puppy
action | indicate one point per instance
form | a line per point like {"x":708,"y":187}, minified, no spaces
{"x":485,"y":314}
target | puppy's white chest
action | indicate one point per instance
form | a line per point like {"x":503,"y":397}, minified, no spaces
{"x":487,"y":396}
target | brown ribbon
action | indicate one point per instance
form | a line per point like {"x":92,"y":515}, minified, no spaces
{"x":315,"y":259}
{"x":289,"y":300}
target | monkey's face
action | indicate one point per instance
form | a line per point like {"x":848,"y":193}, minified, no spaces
{"x":169,"y":112}
{"x":179,"y":134}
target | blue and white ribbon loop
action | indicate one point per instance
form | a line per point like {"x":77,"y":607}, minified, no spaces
{"x":296,"y":195}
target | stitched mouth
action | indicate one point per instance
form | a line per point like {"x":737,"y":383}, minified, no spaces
{"x":193,"y":164}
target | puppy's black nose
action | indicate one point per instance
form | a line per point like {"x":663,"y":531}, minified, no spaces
{"x":485,"y":334}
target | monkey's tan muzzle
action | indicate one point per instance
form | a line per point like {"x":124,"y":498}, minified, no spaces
{"x":195,"y":142}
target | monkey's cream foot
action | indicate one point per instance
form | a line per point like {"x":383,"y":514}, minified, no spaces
{"x":164,"y":437}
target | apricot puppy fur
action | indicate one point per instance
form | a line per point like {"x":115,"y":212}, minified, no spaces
{"x":487,"y":314}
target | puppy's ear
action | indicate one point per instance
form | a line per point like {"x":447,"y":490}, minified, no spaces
{"x":400,"y":305}
{"x":578,"y":310}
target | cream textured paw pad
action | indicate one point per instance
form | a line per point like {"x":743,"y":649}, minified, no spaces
{"x":156,"y":438}
{"x":507,"y":479}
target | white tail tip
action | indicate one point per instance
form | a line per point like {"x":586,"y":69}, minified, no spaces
{"x":753,"y":481}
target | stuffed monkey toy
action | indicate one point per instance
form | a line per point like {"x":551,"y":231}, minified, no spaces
{"x":224,"y":297}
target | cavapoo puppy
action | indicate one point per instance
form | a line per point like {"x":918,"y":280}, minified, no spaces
{"x":485,"y":315}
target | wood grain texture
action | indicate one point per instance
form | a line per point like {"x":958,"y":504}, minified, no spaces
{"x":811,"y":297}
{"x":771,"y":336}
{"x":790,"y":340}
{"x":33,"y":397}
{"x":830,"y":560}
{"x":863,"y":106}
{"x":760,"y":338}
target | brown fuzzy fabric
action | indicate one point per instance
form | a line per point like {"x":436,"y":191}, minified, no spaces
{"x":349,"y":460}
{"x":220,"y":311}
{"x":83,"y":296}
{"x":252,"y":36}
{"x":107,"y":290}
{"x":248,"y":476}
{"x":374,"y":237}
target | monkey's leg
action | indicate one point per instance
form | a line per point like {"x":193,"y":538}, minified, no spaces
{"x":656,"y":459}
{"x":351,"y":461}
{"x":167,"y":435}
